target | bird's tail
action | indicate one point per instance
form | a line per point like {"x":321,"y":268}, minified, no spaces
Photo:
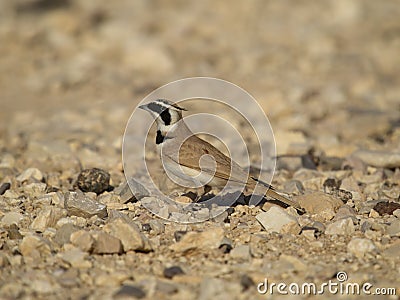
{"x":274,"y":194}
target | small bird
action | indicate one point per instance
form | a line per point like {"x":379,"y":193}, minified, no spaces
{"x":193,"y":162}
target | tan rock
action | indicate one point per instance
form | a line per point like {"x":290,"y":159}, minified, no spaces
{"x":47,"y":217}
{"x":320,"y":204}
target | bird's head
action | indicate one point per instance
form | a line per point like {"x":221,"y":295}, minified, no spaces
{"x":165,"y":112}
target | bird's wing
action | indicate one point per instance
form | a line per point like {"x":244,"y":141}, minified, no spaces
{"x":193,"y":148}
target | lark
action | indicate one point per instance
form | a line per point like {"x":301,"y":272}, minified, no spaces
{"x":193,"y":162}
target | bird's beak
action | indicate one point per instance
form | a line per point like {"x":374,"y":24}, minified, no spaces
{"x":144,"y":107}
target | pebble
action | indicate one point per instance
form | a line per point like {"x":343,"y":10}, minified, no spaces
{"x":13,"y":232}
{"x":132,"y":191}
{"x":202,"y":241}
{"x":344,"y":212}
{"x":293,"y":187}
{"x":129,"y":235}
{"x":360,"y":247}
{"x":379,"y":159}
{"x":11,"y":218}
{"x":30,"y":174}
{"x":83,"y":240}
{"x":386,"y":208}
{"x":78,"y":204}
{"x":173,"y":271}
{"x":34,"y":190}
{"x":93,"y":180}
{"x":63,"y":234}
{"x":34,"y":247}
{"x":241,"y":252}
{"x":106,"y":244}
{"x":394,"y":228}
{"x":276,"y":219}
{"x":392,"y":252}
{"x":320,"y":204}
{"x":4,"y":187}
{"x":341,"y":227}
{"x":129,"y":291}
{"x":76,"y":258}
{"x":47,"y":217}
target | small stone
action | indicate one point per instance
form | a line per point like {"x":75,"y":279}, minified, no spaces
{"x":291,"y":163}
{"x":179,"y":234}
{"x":241,"y":252}
{"x":93,"y":180}
{"x":34,"y":247}
{"x":11,"y":218}
{"x":146,"y":227}
{"x":392,"y":252}
{"x":276,"y":219}
{"x":129,"y":291}
{"x":165,"y":288}
{"x":106,"y":244}
{"x":13,"y":232}
{"x":396,"y":213}
{"x":386,"y":208}
{"x":379,"y":159}
{"x":83,"y":240}
{"x":293,"y":187}
{"x":131,"y":237}
{"x":319,"y":203}
{"x":47,"y":217}
{"x":206,"y":240}
{"x":246,"y":282}
{"x":76,"y":258}
{"x":157,"y":226}
{"x":226,"y":245}
{"x":330,"y":185}
{"x":360,"y":246}
{"x":344,"y":212}
{"x":63,"y":234}
{"x":35,"y":189}
{"x":394,"y":228}
{"x":78,"y":204}
{"x":30,"y":173}
{"x":4,"y":187}
{"x":341,"y":227}
{"x":171,"y":272}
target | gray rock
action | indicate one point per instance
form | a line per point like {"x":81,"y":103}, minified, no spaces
{"x":360,"y":247}
{"x":173,"y":271}
{"x":392,"y":252}
{"x":47,"y":217}
{"x":132,"y":190}
{"x":106,"y":244}
{"x":4,"y":187}
{"x":11,"y":218}
{"x":129,"y":292}
{"x":130,"y":236}
{"x":241,"y":252}
{"x":341,"y":227}
{"x":157,"y":226}
{"x":202,"y":241}
{"x":78,"y":204}
{"x":344,"y":212}
{"x":293,"y":187}
{"x":63,"y":234}
{"x":380,"y":159}
{"x":276,"y":219}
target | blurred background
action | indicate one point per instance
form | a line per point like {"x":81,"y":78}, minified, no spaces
{"x":325,"y":72}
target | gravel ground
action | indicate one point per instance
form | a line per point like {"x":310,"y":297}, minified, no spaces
{"x":326,"y":73}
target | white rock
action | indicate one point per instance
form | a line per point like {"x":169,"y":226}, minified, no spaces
{"x":359,"y":247}
{"x":47,"y":217}
{"x":276,"y":219}
{"x":30,"y":173}
{"x":341,"y":227}
{"x":11,"y":218}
